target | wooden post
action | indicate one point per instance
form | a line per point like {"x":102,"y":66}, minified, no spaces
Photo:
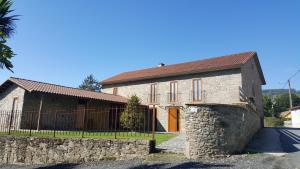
{"x":40,"y":112}
{"x":55,"y":114}
{"x":153,"y":123}
{"x":10,"y":121}
{"x":116,"y":123}
{"x":31,"y":116}
{"x":290,"y":95}
{"x":84,"y":119}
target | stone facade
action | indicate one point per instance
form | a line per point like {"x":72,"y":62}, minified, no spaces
{"x":217,"y":130}
{"x":7,"y":97}
{"x":25,"y":150}
{"x":217,"y":87}
{"x":251,"y":84}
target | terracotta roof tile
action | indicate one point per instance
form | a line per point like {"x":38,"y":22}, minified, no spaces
{"x":31,"y":86}
{"x":213,"y":64}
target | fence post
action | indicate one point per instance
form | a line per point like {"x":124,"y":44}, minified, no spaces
{"x":55,"y":114}
{"x":10,"y":121}
{"x":83,"y":127}
{"x":153,"y":123}
{"x":30,"y":124}
{"x":116,"y":123}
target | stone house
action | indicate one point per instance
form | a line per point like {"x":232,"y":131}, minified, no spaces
{"x":231,"y":80}
{"x":19,"y":98}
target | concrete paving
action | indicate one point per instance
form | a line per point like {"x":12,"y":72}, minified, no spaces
{"x":174,"y":145}
{"x":278,"y":141}
{"x":290,"y":142}
{"x":266,"y":141}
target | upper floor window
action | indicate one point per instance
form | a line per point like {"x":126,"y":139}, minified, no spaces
{"x":173,"y":91}
{"x":197,"y":90}
{"x":115,"y":91}
{"x":153,"y":88}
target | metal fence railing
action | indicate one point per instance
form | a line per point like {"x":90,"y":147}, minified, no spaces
{"x":245,"y":98}
{"x":109,"y":122}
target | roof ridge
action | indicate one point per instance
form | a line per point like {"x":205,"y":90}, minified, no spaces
{"x":205,"y":59}
{"x":17,"y":78}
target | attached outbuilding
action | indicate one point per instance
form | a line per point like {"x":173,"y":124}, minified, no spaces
{"x":26,"y":103}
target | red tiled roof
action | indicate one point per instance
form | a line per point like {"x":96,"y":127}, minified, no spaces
{"x":31,"y":86}
{"x":200,"y":66}
{"x":285,"y":113}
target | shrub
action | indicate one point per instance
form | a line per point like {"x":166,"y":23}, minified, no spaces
{"x":274,"y":122}
{"x":131,"y":118}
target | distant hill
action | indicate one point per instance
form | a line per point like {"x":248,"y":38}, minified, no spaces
{"x":274,"y":92}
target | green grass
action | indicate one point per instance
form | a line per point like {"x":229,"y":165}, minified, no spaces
{"x":273,"y":122}
{"x":159,"y":137}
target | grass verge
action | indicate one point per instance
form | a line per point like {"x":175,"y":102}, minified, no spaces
{"x":159,"y":137}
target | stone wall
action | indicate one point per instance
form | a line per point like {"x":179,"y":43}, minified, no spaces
{"x":26,"y":150}
{"x":218,"y":87}
{"x":217,"y":130}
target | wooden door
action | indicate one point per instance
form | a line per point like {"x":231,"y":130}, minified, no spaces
{"x":80,"y":116}
{"x":13,"y":115}
{"x":173,"y":120}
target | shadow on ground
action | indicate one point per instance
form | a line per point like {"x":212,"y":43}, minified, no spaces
{"x":186,"y":165}
{"x":59,"y":166}
{"x":290,"y":138}
{"x":275,"y":140}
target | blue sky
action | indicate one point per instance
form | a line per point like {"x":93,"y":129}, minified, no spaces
{"x":63,"y":41}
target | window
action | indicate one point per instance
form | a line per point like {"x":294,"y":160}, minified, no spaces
{"x":115,"y":91}
{"x":173,"y":91}
{"x":197,"y":90}
{"x":153,"y":98}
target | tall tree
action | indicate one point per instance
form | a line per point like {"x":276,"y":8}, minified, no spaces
{"x":267,"y":106}
{"x":90,"y":83}
{"x":7,"y":27}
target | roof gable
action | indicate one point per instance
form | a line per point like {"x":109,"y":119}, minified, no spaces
{"x":214,"y":64}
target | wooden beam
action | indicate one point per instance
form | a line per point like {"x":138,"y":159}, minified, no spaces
{"x":40,"y":112}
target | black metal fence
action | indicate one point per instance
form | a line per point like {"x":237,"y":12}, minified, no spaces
{"x":95,"y":123}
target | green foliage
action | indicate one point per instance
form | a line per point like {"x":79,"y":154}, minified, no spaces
{"x":90,"y":84}
{"x":280,"y":103}
{"x":277,"y":92}
{"x":273,"y":122}
{"x":267,"y":106}
{"x":131,"y":118}
{"x":7,"y":27}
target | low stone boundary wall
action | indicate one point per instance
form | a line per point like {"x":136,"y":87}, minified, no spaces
{"x":32,"y":150}
{"x":218,"y":130}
